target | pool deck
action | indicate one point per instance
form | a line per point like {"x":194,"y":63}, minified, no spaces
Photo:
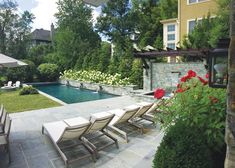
{"x":31,"y":149}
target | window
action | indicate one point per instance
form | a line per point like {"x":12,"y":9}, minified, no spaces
{"x":171,"y":28}
{"x":170,"y":37}
{"x":171,"y":45}
{"x":191,"y":25}
{"x":192,"y":1}
{"x":195,"y":1}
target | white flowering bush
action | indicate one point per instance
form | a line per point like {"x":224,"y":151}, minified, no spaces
{"x":96,"y":77}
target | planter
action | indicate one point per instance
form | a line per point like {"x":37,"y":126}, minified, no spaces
{"x":117,"y":90}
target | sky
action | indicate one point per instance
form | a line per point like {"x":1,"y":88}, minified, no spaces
{"x":44,"y":11}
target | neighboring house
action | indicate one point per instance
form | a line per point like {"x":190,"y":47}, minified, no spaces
{"x":189,"y":12}
{"x":41,"y":36}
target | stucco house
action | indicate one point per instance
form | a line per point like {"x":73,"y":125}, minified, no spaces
{"x":189,"y":13}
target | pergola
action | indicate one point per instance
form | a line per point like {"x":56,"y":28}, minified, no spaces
{"x":200,"y":54}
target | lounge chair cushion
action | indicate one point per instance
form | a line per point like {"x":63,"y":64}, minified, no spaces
{"x":100,"y":116}
{"x":55,"y":129}
{"x":3,"y":140}
{"x":144,"y":107}
{"x":76,"y":122}
{"x":117,"y":112}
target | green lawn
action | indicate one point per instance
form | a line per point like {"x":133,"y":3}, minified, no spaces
{"x":13,"y":102}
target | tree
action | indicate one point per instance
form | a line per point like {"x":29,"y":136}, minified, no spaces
{"x":148,"y":14}
{"x":116,"y":23}
{"x":39,"y":53}
{"x":14,"y":30}
{"x":75,"y":36}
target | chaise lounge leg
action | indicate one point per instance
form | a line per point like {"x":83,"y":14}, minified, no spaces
{"x":111,"y":137}
{"x":120,"y":132}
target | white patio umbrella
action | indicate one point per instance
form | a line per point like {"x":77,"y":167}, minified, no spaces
{"x":9,"y":62}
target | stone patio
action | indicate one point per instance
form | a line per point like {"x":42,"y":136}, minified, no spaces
{"x":31,"y":149}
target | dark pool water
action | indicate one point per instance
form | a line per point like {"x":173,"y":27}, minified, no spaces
{"x":70,"y":94}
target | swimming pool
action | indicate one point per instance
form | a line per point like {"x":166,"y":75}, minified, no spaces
{"x":70,"y":94}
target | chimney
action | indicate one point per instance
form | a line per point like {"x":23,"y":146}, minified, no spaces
{"x":52,"y":33}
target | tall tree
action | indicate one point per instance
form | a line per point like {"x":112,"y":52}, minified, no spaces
{"x":148,"y":14}
{"x":115,"y":22}
{"x":14,"y":29}
{"x":7,"y":20}
{"x":75,"y":36}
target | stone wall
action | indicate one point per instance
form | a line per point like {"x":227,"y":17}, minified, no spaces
{"x":116,"y":90}
{"x":167,"y":75}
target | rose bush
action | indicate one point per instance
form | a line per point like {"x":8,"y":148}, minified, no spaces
{"x":196,"y":104}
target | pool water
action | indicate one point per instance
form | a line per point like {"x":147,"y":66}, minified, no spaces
{"x":70,"y":94}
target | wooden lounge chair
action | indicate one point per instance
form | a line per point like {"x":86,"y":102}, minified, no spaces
{"x":140,"y":114}
{"x":3,"y":116}
{"x":4,"y":138}
{"x":97,"y":129}
{"x":154,"y":109}
{"x":66,"y":130}
{"x":121,"y":118}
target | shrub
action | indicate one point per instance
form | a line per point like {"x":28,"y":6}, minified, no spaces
{"x":96,"y":77}
{"x":28,"y":90}
{"x":182,"y":147}
{"x":48,"y":72}
{"x":196,"y":104}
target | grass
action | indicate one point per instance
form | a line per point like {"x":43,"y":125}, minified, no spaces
{"x":13,"y":102}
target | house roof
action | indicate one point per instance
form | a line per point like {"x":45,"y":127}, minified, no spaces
{"x":41,"y":34}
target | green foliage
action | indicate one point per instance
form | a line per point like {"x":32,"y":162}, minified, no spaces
{"x":28,"y":90}
{"x":116,"y":22}
{"x":136,"y":76}
{"x":183,"y":146}
{"x":23,"y":74}
{"x":3,"y":80}
{"x":38,"y":53}
{"x":198,"y":105}
{"x":48,"y":72}
{"x":104,"y":57}
{"x":168,"y":9}
{"x":96,"y":77}
{"x":210,"y":30}
{"x":15,"y":29}
{"x":75,"y":37}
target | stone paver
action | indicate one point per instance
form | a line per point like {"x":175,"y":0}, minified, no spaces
{"x":31,"y":149}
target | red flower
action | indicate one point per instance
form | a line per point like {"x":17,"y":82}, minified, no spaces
{"x":191,"y":73}
{"x":159,"y":93}
{"x":202,"y":80}
{"x":180,"y":90}
{"x":178,"y":85}
{"x":207,"y":75}
{"x":213,"y":99}
{"x":185,"y":78}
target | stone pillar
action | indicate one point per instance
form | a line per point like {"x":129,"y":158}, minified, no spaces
{"x":230,"y":121}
